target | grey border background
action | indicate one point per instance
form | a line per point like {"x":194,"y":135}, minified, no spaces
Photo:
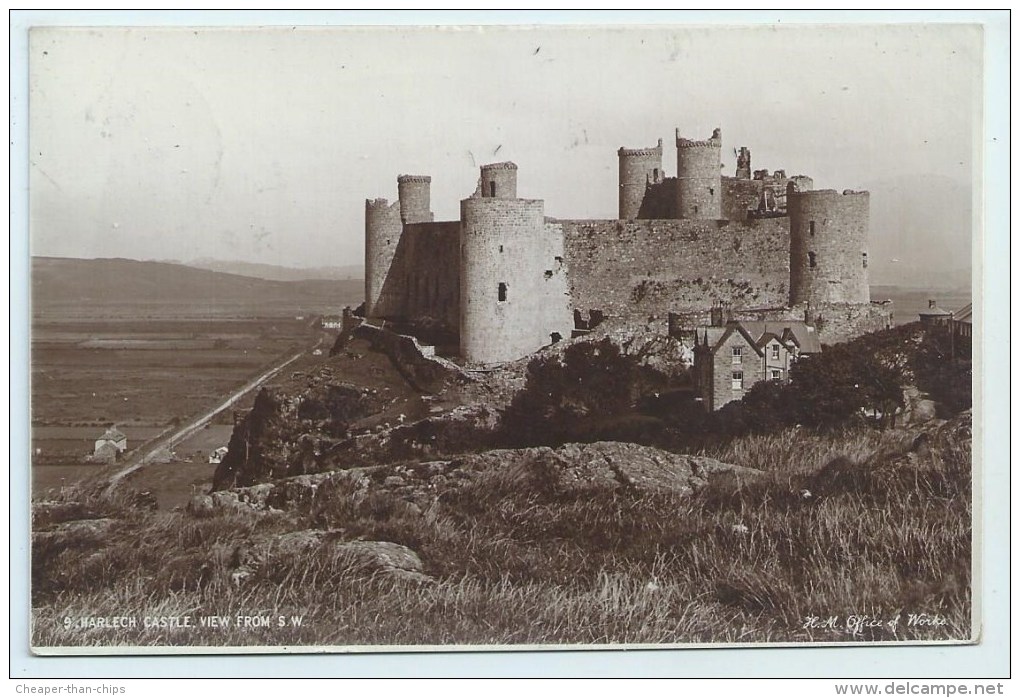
{"x":988,"y":658}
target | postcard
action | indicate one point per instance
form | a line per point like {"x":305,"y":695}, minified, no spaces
{"x":536,"y":337}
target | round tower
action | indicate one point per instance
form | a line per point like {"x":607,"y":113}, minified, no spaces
{"x":499,"y":180}
{"x":639,"y":167}
{"x":828,"y":246}
{"x":513,"y":292}
{"x":382,"y":236}
{"x":414,"y":194}
{"x":699,"y":179}
{"x":798,"y":183}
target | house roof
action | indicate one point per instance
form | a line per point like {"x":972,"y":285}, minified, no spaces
{"x":935,"y":311}
{"x":715,"y":337}
{"x":964,"y":314}
{"x":801,"y":333}
{"x":113,"y":434}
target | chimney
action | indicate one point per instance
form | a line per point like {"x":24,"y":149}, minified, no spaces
{"x":931,"y":304}
{"x":717,"y":317}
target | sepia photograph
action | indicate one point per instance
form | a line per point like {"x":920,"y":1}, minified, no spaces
{"x":416,"y":338}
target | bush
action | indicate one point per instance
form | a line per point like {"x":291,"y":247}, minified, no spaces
{"x":582,"y":395}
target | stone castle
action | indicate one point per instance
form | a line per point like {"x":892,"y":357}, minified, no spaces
{"x":505,"y":280}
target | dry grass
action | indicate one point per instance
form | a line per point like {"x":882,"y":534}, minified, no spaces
{"x":881,"y":535}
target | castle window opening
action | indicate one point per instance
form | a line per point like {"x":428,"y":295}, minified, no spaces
{"x":811,"y":260}
{"x":548,"y":274}
{"x":737,"y":381}
{"x":492,"y":189}
{"x":864,"y":259}
{"x":556,"y":337}
{"x":502,"y":292}
{"x":738,"y":354}
{"x":811,"y":227}
{"x":655,"y":175}
{"x":500,"y":248}
{"x":711,"y":191}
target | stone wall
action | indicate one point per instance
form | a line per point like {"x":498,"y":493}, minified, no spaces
{"x":660,"y":200}
{"x":513,"y":285}
{"x":829,"y":246}
{"x":738,"y":196}
{"x":499,"y":180}
{"x":699,"y":189}
{"x":639,"y":167}
{"x":416,"y":363}
{"x":384,"y":292}
{"x":647,"y":268}
{"x":841,"y":322}
{"x":414,"y":194}
{"x":431,"y":268}
{"x":723,"y":367}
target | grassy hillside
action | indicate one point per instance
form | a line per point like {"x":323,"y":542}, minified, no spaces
{"x":839,"y":526}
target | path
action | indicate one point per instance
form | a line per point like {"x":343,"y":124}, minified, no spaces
{"x":146,"y":455}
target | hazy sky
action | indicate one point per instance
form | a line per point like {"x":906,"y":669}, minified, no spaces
{"x":262,"y":145}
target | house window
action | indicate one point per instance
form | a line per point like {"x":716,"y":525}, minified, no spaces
{"x":738,"y":353}
{"x":864,"y":259}
{"x":811,"y":227}
{"x":492,"y":189}
{"x":775,"y":374}
{"x":811,"y":260}
{"x":502,"y":292}
{"x":737,"y":382}
{"x":775,"y":351}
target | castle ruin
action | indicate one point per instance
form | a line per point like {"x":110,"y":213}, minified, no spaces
{"x":505,"y":280}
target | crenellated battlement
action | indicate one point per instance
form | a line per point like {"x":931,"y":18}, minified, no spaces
{"x":507,"y":279}
{"x":641,"y":152}
{"x":830,"y":194}
{"x":714,"y":142}
{"x":499,"y":166}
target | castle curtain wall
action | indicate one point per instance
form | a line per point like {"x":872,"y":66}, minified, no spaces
{"x":644,"y":268}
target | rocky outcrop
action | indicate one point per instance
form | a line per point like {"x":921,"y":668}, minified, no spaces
{"x":418,"y":364}
{"x":286,"y":432}
{"x":568,"y":470}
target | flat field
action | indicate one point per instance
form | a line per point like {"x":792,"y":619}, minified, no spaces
{"x":107,"y":349}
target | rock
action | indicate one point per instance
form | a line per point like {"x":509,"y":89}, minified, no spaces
{"x":90,"y":529}
{"x":395,"y":561}
{"x":574,"y":468}
{"x":297,"y":542}
{"x":201,"y":505}
{"x":918,"y":407}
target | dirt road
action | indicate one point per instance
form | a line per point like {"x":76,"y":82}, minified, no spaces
{"x":148,"y":453}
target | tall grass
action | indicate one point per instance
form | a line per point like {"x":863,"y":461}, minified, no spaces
{"x":840,"y":525}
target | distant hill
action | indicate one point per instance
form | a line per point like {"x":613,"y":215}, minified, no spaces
{"x":59,"y":280}
{"x":275,"y":272}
